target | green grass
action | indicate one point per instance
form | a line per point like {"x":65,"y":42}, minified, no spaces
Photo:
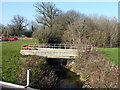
{"x":111,"y":54}
{"x":11,"y":61}
{"x":12,"y":48}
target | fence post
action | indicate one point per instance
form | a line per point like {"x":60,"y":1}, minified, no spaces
{"x":28,"y":78}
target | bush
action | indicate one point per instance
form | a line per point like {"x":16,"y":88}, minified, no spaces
{"x":48,"y":35}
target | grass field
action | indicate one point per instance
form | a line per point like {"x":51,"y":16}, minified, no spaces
{"x":111,"y":54}
{"x":11,"y":60}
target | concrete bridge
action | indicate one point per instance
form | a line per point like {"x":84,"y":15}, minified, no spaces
{"x":65,"y":51}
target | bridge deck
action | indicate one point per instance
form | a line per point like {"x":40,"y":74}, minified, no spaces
{"x":52,"y":53}
{"x":53,"y":50}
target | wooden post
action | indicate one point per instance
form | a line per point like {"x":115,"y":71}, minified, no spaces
{"x":28,"y":78}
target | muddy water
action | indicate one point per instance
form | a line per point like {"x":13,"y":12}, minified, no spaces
{"x":68,"y":79}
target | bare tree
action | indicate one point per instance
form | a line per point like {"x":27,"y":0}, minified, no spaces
{"x":34,"y":26}
{"x":106,"y":31}
{"x":46,"y":13}
{"x":5,"y":31}
{"x":18,"y":25}
{"x":78,"y":32}
{"x":113,"y":32}
{"x":62,"y":21}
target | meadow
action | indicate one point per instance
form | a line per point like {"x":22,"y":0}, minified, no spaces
{"x":111,"y":54}
{"x":11,"y":60}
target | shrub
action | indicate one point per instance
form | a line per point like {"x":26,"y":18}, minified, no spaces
{"x":46,"y":35}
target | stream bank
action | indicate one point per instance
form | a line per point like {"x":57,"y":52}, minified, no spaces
{"x":95,"y":71}
{"x":47,"y":73}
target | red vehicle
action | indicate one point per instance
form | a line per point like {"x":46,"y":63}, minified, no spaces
{"x":5,"y":39}
{"x":26,"y":38}
{"x":10,"y":39}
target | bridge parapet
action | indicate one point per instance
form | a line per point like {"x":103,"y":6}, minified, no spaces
{"x":54,"y":46}
{"x":58,"y":46}
{"x":53,"y":50}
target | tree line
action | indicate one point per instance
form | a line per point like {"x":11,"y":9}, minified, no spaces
{"x":52,"y":25}
{"x":19,"y":26}
{"x":75,"y":28}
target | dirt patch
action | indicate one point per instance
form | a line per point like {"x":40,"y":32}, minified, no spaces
{"x":95,"y":71}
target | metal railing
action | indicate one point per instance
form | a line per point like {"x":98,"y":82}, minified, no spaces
{"x":55,"y":50}
{"x":55,"y":46}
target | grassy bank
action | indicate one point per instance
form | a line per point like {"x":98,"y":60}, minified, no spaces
{"x":11,"y":61}
{"x":97,"y":69}
{"x":110,"y":54}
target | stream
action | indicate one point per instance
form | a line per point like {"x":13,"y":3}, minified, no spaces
{"x":68,"y":79}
